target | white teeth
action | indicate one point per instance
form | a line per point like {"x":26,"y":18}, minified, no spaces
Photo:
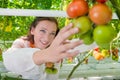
{"x":44,"y":42}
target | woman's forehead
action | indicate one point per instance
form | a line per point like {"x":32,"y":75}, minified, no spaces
{"x":47,"y":25}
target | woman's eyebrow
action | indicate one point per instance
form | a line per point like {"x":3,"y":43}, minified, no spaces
{"x":47,"y":30}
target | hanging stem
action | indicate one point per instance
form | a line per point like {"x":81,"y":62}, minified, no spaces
{"x":80,"y":62}
{"x":116,"y":5}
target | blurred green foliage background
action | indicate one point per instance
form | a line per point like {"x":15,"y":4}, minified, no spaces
{"x":12,"y":27}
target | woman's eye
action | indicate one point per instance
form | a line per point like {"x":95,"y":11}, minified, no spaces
{"x":42,"y":31}
{"x":53,"y":33}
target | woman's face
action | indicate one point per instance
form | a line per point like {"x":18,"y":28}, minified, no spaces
{"x":44,"y":33}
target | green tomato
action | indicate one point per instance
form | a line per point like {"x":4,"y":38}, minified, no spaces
{"x":83,"y":23}
{"x":105,"y":53}
{"x":88,"y":38}
{"x":103,"y":45}
{"x":48,"y":70}
{"x":51,"y":70}
{"x":54,"y":70}
{"x":115,"y":58}
{"x":103,"y":35}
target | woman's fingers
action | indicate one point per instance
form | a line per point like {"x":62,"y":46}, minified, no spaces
{"x":69,"y":54}
{"x":69,"y":33}
{"x":64,"y":36}
{"x":60,"y":46}
{"x":68,"y":46}
{"x":66,"y":41}
{"x":66,"y":28}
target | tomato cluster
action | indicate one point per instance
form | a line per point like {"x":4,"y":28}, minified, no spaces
{"x":50,"y":69}
{"x":100,"y":54}
{"x":92,"y":22}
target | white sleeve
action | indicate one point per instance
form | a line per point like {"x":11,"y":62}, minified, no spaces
{"x":18,"y":43}
{"x":19,"y":59}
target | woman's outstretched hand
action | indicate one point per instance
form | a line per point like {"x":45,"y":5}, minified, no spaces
{"x":59,"y":49}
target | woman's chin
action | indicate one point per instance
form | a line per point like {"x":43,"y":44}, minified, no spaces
{"x":42,"y":47}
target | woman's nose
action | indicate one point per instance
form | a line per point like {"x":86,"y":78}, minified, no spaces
{"x":47,"y":38}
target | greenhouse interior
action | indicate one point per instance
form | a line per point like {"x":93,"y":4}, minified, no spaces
{"x":99,"y":29}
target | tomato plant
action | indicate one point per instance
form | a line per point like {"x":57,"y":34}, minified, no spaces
{"x":104,"y":35}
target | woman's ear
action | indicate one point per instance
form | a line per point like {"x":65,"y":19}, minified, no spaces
{"x":32,"y":30}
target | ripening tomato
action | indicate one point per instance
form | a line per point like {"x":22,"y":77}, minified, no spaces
{"x":77,"y":8}
{"x":105,"y":53}
{"x":83,"y":23}
{"x":115,"y":55}
{"x":98,"y":55}
{"x":70,"y":60}
{"x":49,"y":64}
{"x":100,"y":13}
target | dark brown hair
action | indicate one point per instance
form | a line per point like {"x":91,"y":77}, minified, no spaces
{"x":30,"y":37}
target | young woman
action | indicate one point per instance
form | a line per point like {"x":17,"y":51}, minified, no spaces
{"x":29,"y":56}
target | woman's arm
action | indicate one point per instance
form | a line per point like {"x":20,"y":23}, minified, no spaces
{"x":58,"y":50}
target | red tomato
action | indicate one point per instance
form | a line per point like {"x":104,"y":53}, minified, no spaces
{"x":100,"y":14}
{"x":77,"y":8}
{"x":97,"y":49}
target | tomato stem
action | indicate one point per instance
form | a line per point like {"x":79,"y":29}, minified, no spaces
{"x":80,"y":62}
{"x":115,"y":4}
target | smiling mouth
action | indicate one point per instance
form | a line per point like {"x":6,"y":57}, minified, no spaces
{"x":44,"y":43}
